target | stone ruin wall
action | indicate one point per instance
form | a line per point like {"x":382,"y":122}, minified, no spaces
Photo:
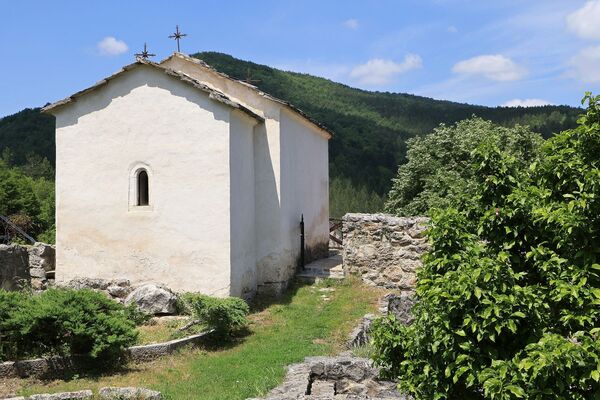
{"x":384,"y":250}
{"x":26,"y":266}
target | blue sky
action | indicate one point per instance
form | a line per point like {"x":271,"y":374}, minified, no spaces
{"x":482,"y":52}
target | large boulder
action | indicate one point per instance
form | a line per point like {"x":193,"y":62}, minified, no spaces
{"x":153,"y":299}
{"x":14,"y":267}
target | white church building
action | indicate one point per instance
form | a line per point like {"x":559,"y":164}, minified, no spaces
{"x":175,"y":173}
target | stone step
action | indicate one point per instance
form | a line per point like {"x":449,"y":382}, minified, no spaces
{"x":332,"y":271}
{"x":330,"y":267}
{"x":312,"y":277}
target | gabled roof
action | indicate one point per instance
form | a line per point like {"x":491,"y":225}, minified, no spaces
{"x":285,"y":103}
{"x":212,"y":93}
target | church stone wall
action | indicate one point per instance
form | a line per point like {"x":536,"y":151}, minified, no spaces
{"x":384,"y":250}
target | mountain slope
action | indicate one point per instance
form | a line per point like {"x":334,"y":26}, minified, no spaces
{"x":371,"y":128}
{"x":28,"y":131}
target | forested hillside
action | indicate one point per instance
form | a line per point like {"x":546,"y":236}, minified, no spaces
{"x":370,"y":128}
{"x":28,"y":132}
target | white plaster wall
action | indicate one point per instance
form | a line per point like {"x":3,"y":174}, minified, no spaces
{"x":182,"y":238}
{"x":276,"y":226}
{"x":304,"y":186}
{"x":268,"y":246}
{"x":241,"y":161}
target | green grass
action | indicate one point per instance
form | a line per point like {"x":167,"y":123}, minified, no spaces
{"x":163,"y":331}
{"x":306,"y":322}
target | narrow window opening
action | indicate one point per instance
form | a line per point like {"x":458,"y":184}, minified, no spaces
{"x":142,"y":188}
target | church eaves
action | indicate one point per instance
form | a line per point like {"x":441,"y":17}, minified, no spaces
{"x":212,"y":93}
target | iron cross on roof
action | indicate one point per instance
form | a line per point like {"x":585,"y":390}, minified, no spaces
{"x":249,"y":78}
{"x":144,"y":54}
{"x":177,"y":35}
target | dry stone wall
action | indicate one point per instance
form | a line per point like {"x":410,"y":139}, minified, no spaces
{"x":384,"y":250}
{"x":26,"y":266}
{"x":332,"y":378}
{"x":41,"y":263}
{"x":106,"y":393}
{"x":14,"y":267}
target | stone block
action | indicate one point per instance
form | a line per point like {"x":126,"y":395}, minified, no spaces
{"x":37,"y":272}
{"x":128,"y":393}
{"x":14,"y":267}
{"x":82,"y":394}
{"x":42,"y":255}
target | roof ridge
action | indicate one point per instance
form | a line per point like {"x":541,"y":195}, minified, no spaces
{"x":212,"y":93}
{"x":286,"y":103}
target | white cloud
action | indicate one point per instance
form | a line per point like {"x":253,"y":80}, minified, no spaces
{"x":452,"y":29}
{"x":111,"y":46}
{"x":585,"y":66}
{"x":380,"y":72}
{"x":526,"y":103}
{"x":585,"y":22}
{"x":494,"y":66}
{"x":351,"y":23}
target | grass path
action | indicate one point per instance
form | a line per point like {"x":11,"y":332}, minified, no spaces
{"x":310,"y":320}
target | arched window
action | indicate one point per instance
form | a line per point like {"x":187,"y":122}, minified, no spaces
{"x":143,"y":198}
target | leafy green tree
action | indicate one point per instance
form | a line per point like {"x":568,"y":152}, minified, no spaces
{"x":27,"y":201}
{"x":16,"y":194}
{"x":509,"y":295}
{"x":440,"y":172}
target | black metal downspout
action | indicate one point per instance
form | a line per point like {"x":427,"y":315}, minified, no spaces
{"x":302,"y":242}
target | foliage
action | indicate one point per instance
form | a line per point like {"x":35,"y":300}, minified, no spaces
{"x":63,"y":321}
{"x":509,"y":295}
{"x":344,"y":197}
{"x":27,"y":201}
{"x":226,"y":316}
{"x":440,"y":172}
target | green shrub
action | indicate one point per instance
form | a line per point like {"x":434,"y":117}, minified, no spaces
{"x":9,"y":302}
{"x":64,"y":321}
{"x":440,"y":171}
{"x":509,"y":295}
{"x":226,"y":316}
